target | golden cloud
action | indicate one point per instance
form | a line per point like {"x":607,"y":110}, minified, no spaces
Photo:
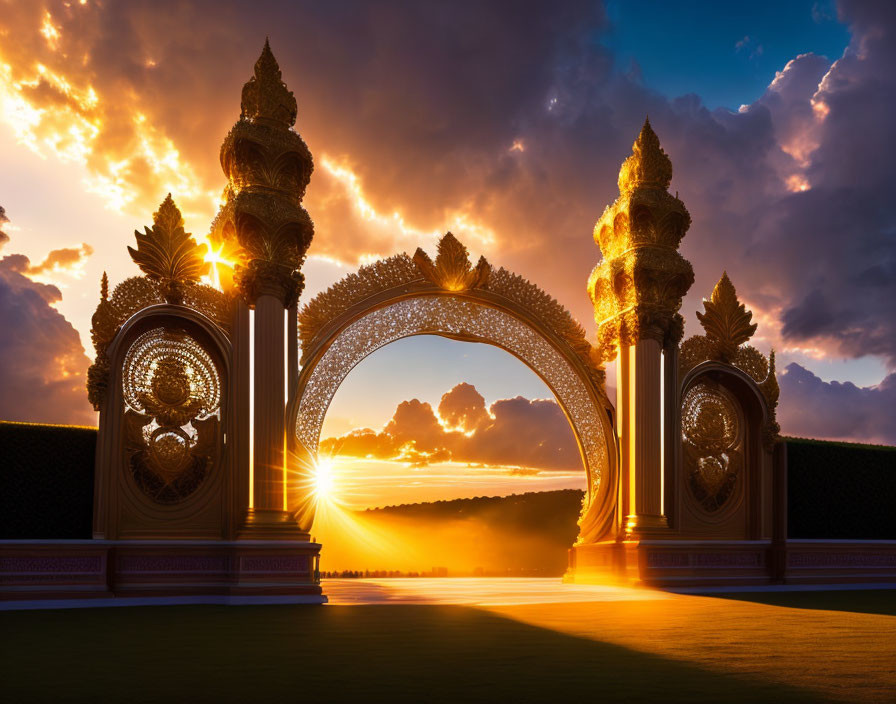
{"x":517,"y":432}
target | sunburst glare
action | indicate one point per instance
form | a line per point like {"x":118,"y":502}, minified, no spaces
{"x":324,"y":479}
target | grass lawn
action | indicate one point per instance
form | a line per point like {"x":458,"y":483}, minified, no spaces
{"x":841,"y":645}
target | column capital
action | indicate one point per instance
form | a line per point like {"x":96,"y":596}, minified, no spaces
{"x":265,"y":278}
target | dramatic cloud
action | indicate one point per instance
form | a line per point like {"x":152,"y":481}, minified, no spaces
{"x":831,"y":248}
{"x":504,"y":121}
{"x":42,"y":362}
{"x":813,"y":408}
{"x":4,"y":238}
{"x":61,"y":259}
{"x":514,"y":432}
{"x":463,"y":408}
{"x":519,"y":432}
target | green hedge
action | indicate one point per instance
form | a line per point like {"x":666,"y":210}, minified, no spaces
{"x":840,"y":490}
{"x":46,"y":481}
{"x":835,"y":490}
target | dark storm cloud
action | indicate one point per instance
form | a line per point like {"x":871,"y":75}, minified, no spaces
{"x":42,"y":362}
{"x":515,"y":432}
{"x":814,"y":408}
{"x":835,"y":245}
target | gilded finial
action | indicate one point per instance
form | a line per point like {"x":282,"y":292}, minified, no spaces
{"x":265,"y":96}
{"x":648,"y":166}
{"x":167,"y":253}
{"x":452,"y":269}
{"x":168,"y":215}
{"x":104,"y":287}
{"x":726,"y":320}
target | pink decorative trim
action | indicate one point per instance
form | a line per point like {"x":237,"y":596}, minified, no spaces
{"x":296,"y":563}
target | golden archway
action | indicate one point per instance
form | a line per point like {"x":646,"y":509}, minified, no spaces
{"x":405,"y":296}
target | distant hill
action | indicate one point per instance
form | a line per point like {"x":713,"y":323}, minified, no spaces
{"x":553,"y":515}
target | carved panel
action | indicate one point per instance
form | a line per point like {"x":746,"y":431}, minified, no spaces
{"x":172,"y":407}
{"x":713,"y":437}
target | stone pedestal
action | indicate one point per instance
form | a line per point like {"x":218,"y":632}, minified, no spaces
{"x":65,"y":573}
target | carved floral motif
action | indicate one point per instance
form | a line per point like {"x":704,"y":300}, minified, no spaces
{"x":727,"y":324}
{"x":712,"y":436}
{"x":168,"y":254}
{"x":726,"y":320}
{"x":452,"y":270}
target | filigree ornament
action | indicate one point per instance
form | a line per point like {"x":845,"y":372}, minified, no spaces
{"x":369,"y":280}
{"x":726,"y":320}
{"x":172,"y":394}
{"x":452,"y":270}
{"x":637,"y":288}
{"x":133,"y":295}
{"x":168,"y":254}
{"x":712,"y":439}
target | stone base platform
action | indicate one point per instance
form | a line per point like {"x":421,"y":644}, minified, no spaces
{"x":159,"y":571}
{"x":716,"y":563}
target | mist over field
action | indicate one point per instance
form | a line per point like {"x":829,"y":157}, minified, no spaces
{"x":520,"y":535}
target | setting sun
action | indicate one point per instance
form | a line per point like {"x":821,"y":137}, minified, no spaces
{"x":324,"y":479}
{"x":220,"y":265}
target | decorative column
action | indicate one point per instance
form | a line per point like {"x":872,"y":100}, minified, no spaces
{"x":266,"y":230}
{"x":636,"y":291}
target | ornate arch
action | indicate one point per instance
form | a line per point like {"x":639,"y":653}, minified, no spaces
{"x":403,"y":296}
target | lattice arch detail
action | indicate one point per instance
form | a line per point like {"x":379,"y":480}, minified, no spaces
{"x":403,"y":296}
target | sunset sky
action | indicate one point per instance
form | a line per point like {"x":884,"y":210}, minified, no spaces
{"x":505,"y":122}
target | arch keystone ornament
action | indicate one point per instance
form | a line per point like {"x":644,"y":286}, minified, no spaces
{"x":451,"y":270}
{"x":403,"y":296}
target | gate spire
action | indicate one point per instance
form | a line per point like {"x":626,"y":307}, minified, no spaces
{"x":263,"y":226}
{"x":636,"y":291}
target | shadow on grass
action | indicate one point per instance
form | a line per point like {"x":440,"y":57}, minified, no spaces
{"x":864,"y":601}
{"x":338,"y":653}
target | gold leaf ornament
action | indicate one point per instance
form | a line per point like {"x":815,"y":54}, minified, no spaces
{"x":726,"y":320}
{"x":166,"y":253}
{"x":452,"y":270}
